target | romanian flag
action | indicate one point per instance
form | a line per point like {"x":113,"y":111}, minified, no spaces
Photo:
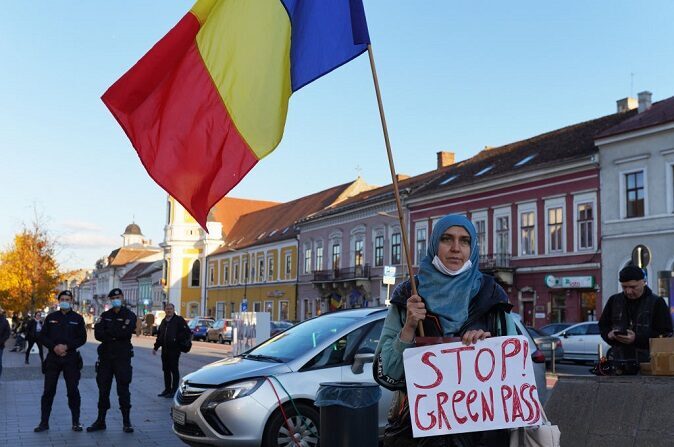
{"x":210,"y":99}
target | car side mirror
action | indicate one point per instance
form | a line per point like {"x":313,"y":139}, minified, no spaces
{"x":565,"y":335}
{"x":359,"y":360}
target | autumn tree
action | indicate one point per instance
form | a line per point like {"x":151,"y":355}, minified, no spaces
{"x":29,"y":272}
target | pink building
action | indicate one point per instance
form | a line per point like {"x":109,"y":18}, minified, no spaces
{"x":535,"y":205}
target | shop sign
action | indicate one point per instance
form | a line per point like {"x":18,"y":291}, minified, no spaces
{"x":570,"y":282}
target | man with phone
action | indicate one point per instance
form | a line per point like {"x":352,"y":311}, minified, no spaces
{"x":632,"y":317}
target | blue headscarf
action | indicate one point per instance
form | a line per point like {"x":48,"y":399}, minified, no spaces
{"x":448,"y":296}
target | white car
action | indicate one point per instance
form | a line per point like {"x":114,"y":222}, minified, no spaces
{"x":582,"y":341}
{"x":235,"y":401}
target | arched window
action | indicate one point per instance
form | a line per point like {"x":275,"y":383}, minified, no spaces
{"x":196,"y":274}
{"x":165,"y":272}
{"x":168,"y":212}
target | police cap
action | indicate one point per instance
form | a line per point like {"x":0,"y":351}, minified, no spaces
{"x":115,"y":292}
{"x":64,"y":293}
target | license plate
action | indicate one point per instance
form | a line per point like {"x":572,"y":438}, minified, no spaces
{"x":178,"y":417}
{"x":546,"y":346}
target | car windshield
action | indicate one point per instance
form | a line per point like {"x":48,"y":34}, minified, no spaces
{"x":534,"y":332}
{"x":301,"y":338}
{"x":218,"y":324}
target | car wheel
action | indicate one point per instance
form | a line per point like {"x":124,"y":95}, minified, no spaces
{"x":301,"y":429}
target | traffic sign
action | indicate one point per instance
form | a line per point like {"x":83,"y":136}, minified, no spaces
{"x":389,"y":275}
{"x":641,"y":256}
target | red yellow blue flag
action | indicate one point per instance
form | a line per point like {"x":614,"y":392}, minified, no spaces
{"x":210,"y":99}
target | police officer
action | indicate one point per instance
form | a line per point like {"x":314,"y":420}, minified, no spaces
{"x":114,"y":329}
{"x":62,"y":334}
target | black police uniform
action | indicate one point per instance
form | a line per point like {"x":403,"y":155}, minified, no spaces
{"x":114,"y":330}
{"x":62,"y":328}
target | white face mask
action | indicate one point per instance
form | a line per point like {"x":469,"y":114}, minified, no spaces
{"x":437,"y":263}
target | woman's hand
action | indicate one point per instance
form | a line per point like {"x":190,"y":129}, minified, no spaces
{"x":416,"y":312}
{"x":471,"y":337}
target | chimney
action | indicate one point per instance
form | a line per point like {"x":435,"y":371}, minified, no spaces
{"x":445,"y":159}
{"x":645,"y":101}
{"x":626,"y":104}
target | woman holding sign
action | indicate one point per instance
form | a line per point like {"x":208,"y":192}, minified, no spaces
{"x":455,"y":300}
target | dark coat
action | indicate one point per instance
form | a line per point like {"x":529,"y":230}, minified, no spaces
{"x":171,"y":333}
{"x":114,"y":330}
{"x":4,"y":331}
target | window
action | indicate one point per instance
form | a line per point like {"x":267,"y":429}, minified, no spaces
{"x":358,"y":253}
{"x":337,"y":352}
{"x":252,"y":271}
{"x":260,"y":269}
{"x":270,"y":268}
{"x":211,"y":275}
{"x":525,"y":160}
{"x":554,"y":229}
{"x":226,"y":273}
{"x":196,"y":274}
{"x":319,"y":258}
{"x":168,"y":212}
{"x":395,"y":248}
{"x":307,"y":260}
{"x":269,"y":307}
{"x":528,"y":240}
{"x":335,"y":256}
{"x":481,"y":230}
{"x":502,"y":246}
{"x":219,"y":310}
{"x":448,"y":179}
{"x":585,"y":226}
{"x":379,"y":251}
{"x":283,"y":311}
{"x":244,"y":271}
{"x":484,"y":171}
{"x":289,"y":264}
{"x":634,"y":194}
{"x":257,"y":306}
{"x":558,"y":309}
{"x":235,"y":279}
{"x":421,"y":244}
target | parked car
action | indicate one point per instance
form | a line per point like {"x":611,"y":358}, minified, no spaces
{"x":279,"y":326}
{"x":581,"y":341}
{"x":199,"y":327}
{"x":553,"y":328}
{"x":220,"y":332}
{"x":233,"y":401}
{"x":547,"y":344}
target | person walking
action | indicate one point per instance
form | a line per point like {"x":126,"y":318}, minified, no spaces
{"x":33,"y":335}
{"x":114,"y":330}
{"x":172,"y":332}
{"x":62,"y":334}
{"x":5,"y":330}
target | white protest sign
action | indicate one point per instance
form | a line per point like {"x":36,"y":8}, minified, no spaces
{"x":453,"y":388}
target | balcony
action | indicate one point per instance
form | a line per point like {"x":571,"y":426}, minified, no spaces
{"x":496,"y":261}
{"x":345,"y":274}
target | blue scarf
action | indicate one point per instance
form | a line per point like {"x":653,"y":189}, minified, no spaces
{"x":448,"y":296}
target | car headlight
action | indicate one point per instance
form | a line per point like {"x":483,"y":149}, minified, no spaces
{"x":231,"y":392}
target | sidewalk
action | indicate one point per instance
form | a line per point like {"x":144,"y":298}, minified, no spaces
{"x":21,"y":389}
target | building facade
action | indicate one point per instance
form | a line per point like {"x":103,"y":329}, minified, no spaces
{"x":637,"y":183}
{"x":535,"y":207}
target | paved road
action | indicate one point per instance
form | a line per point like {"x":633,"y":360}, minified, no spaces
{"x":21,"y":388}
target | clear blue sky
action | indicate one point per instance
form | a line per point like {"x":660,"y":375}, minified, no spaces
{"x":455,"y":75}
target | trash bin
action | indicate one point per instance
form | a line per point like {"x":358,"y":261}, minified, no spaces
{"x":349,"y":414}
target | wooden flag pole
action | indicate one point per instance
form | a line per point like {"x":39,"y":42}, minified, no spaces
{"x":394,"y":179}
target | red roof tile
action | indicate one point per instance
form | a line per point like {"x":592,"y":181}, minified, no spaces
{"x":661,"y":112}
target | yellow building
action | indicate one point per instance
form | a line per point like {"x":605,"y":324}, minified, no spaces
{"x":186,"y":246}
{"x":256,"y":267}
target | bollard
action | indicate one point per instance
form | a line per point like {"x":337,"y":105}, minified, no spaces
{"x":349,"y":414}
